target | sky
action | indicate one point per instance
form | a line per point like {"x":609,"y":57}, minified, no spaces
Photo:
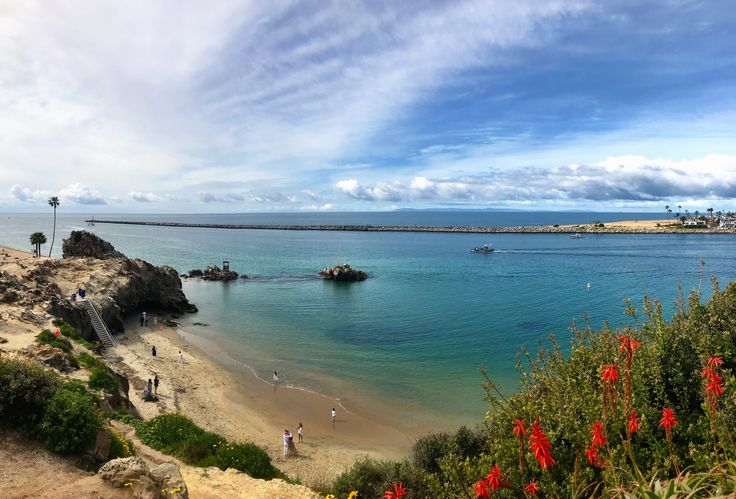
{"x":272,"y":106}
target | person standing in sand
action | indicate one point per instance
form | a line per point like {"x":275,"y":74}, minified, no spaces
{"x":142,"y":318}
{"x":334,"y":415}
{"x":145,"y":319}
{"x":155,"y":384}
{"x":300,"y":432}
{"x":181,"y":356}
{"x":153,"y":352}
{"x":287,"y":437}
{"x":275,"y":377}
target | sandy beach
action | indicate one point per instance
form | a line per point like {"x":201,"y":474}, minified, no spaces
{"x":242,"y":407}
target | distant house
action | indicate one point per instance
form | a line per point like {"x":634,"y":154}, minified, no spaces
{"x":695,"y":223}
{"x":729,"y":223}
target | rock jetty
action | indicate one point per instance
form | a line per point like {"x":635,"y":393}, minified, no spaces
{"x":343,"y":272}
{"x":521,"y":229}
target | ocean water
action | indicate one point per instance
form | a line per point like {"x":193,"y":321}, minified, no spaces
{"x":406,"y":343}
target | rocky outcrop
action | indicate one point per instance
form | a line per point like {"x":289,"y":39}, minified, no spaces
{"x":82,"y":243}
{"x":50,"y":356}
{"x":131,"y":472}
{"x":115,"y":284}
{"x":215,"y":273}
{"x":343,"y":272}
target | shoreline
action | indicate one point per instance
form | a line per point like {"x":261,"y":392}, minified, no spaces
{"x":243,"y":407}
{"x":623,"y":227}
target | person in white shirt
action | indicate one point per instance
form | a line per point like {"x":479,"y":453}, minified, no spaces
{"x":287,"y":437}
{"x":334,"y":415}
{"x":300,"y":432}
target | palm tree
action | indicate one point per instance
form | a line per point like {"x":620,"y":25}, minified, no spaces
{"x":679,"y":209}
{"x":667,"y":209}
{"x":53,"y":202}
{"x":37,"y":239}
{"x":710,"y":210}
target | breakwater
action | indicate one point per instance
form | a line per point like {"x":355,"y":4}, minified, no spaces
{"x":522,"y":229}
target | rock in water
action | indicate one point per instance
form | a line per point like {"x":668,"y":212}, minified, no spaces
{"x":343,"y":272}
{"x":85,"y":244}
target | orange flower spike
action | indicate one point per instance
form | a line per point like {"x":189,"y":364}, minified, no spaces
{"x":633,"y":423}
{"x":481,"y":489}
{"x":714,"y":386}
{"x":668,"y":420}
{"x":532,"y":489}
{"x":715,"y":361}
{"x":599,"y":437}
{"x":398,"y":492}
{"x":628,"y":344}
{"x":519,"y":429}
{"x":610,"y":373}
{"x":708,"y":372}
{"x":494,"y":478}
{"x":592,"y":455}
{"x":541,"y":446}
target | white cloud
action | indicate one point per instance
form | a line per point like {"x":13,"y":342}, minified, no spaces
{"x":145,"y":197}
{"x":81,"y":194}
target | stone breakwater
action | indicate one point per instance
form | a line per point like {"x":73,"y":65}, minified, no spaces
{"x":522,"y":229}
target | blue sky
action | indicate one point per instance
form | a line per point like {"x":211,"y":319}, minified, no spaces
{"x":178,"y":106}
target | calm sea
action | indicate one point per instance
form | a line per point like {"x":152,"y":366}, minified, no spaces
{"x":407,"y":342}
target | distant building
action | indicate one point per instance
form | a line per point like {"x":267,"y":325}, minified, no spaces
{"x":695,"y":223}
{"x":729,"y":223}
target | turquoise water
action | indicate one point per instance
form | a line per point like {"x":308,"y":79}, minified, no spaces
{"x":411,"y":337}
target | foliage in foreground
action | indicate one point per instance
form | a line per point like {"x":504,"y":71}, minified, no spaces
{"x":587,"y":441}
{"x":177,"y":435}
{"x":43,"y":406}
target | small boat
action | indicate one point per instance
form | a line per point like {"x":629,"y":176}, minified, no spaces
{"x":577,"y":235}
{"x":486,"y":248}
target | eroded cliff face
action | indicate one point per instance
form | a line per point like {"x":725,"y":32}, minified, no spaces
{"x":116,"y":284}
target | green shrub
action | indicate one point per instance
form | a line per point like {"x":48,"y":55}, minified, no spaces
{"x":371,"y":478}
{"x":87,"y":360}
{"x":69,"y":332}
{"x":70,"y":422}
{"x":177,"y":435}
{"x":101,"y":379}
{"x":25,"y":388}
{"x":247,"y":458}
{"x":121,"y":446}
{"x":429,"y":449}
{"x":46,"y":337}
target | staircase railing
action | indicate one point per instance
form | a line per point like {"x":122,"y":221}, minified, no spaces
{"x":103,"y":333}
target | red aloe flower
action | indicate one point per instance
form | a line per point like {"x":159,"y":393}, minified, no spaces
{"x":628,"y":344}
{"x":599,"y":438}
{"x":715,"y":361}
{"x":481,"y":489}
{"x":532,"y":488}
{"x":398,"y":492}
{"x":541,"y":446}
{"x":592,"y":454}
{"x":610,"y":373}
{"x":519,"y":429}
{"x":708,"y":372}
{"x":668,"y":420}
{"x":714,"y":388}
{"x":494,"y":478}
{"x":633,"y":424}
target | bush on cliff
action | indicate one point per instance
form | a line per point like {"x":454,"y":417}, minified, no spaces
{"x":46,"y":337}
{"x":43,"y":406}
{"x":70,"y":422}
{"x":177,"y":435}
{"x":585,"y":397}
{"x":69,"y":332}
{"x":100,"y":377}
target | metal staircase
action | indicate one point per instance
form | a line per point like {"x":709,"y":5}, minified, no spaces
{"x":103,"y":333}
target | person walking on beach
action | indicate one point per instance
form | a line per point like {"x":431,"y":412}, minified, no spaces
{"x":153,"y":352}
{"x":287,"y":437}
{"x":181,"y":356}
{"x":155,"y":384}
{"x":142,"y":318}
{"x":149,"y":389}
{"x":275,"y":377}
{"x":145,"y":319}
{"x":334,"y":415}
{"x":300,"y":432}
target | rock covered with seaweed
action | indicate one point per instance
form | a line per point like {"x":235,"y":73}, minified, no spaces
{"x":343,"y":272}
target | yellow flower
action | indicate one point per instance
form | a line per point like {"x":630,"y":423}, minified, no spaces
{"x":353,"y":494}
{"x":330,"y":496}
